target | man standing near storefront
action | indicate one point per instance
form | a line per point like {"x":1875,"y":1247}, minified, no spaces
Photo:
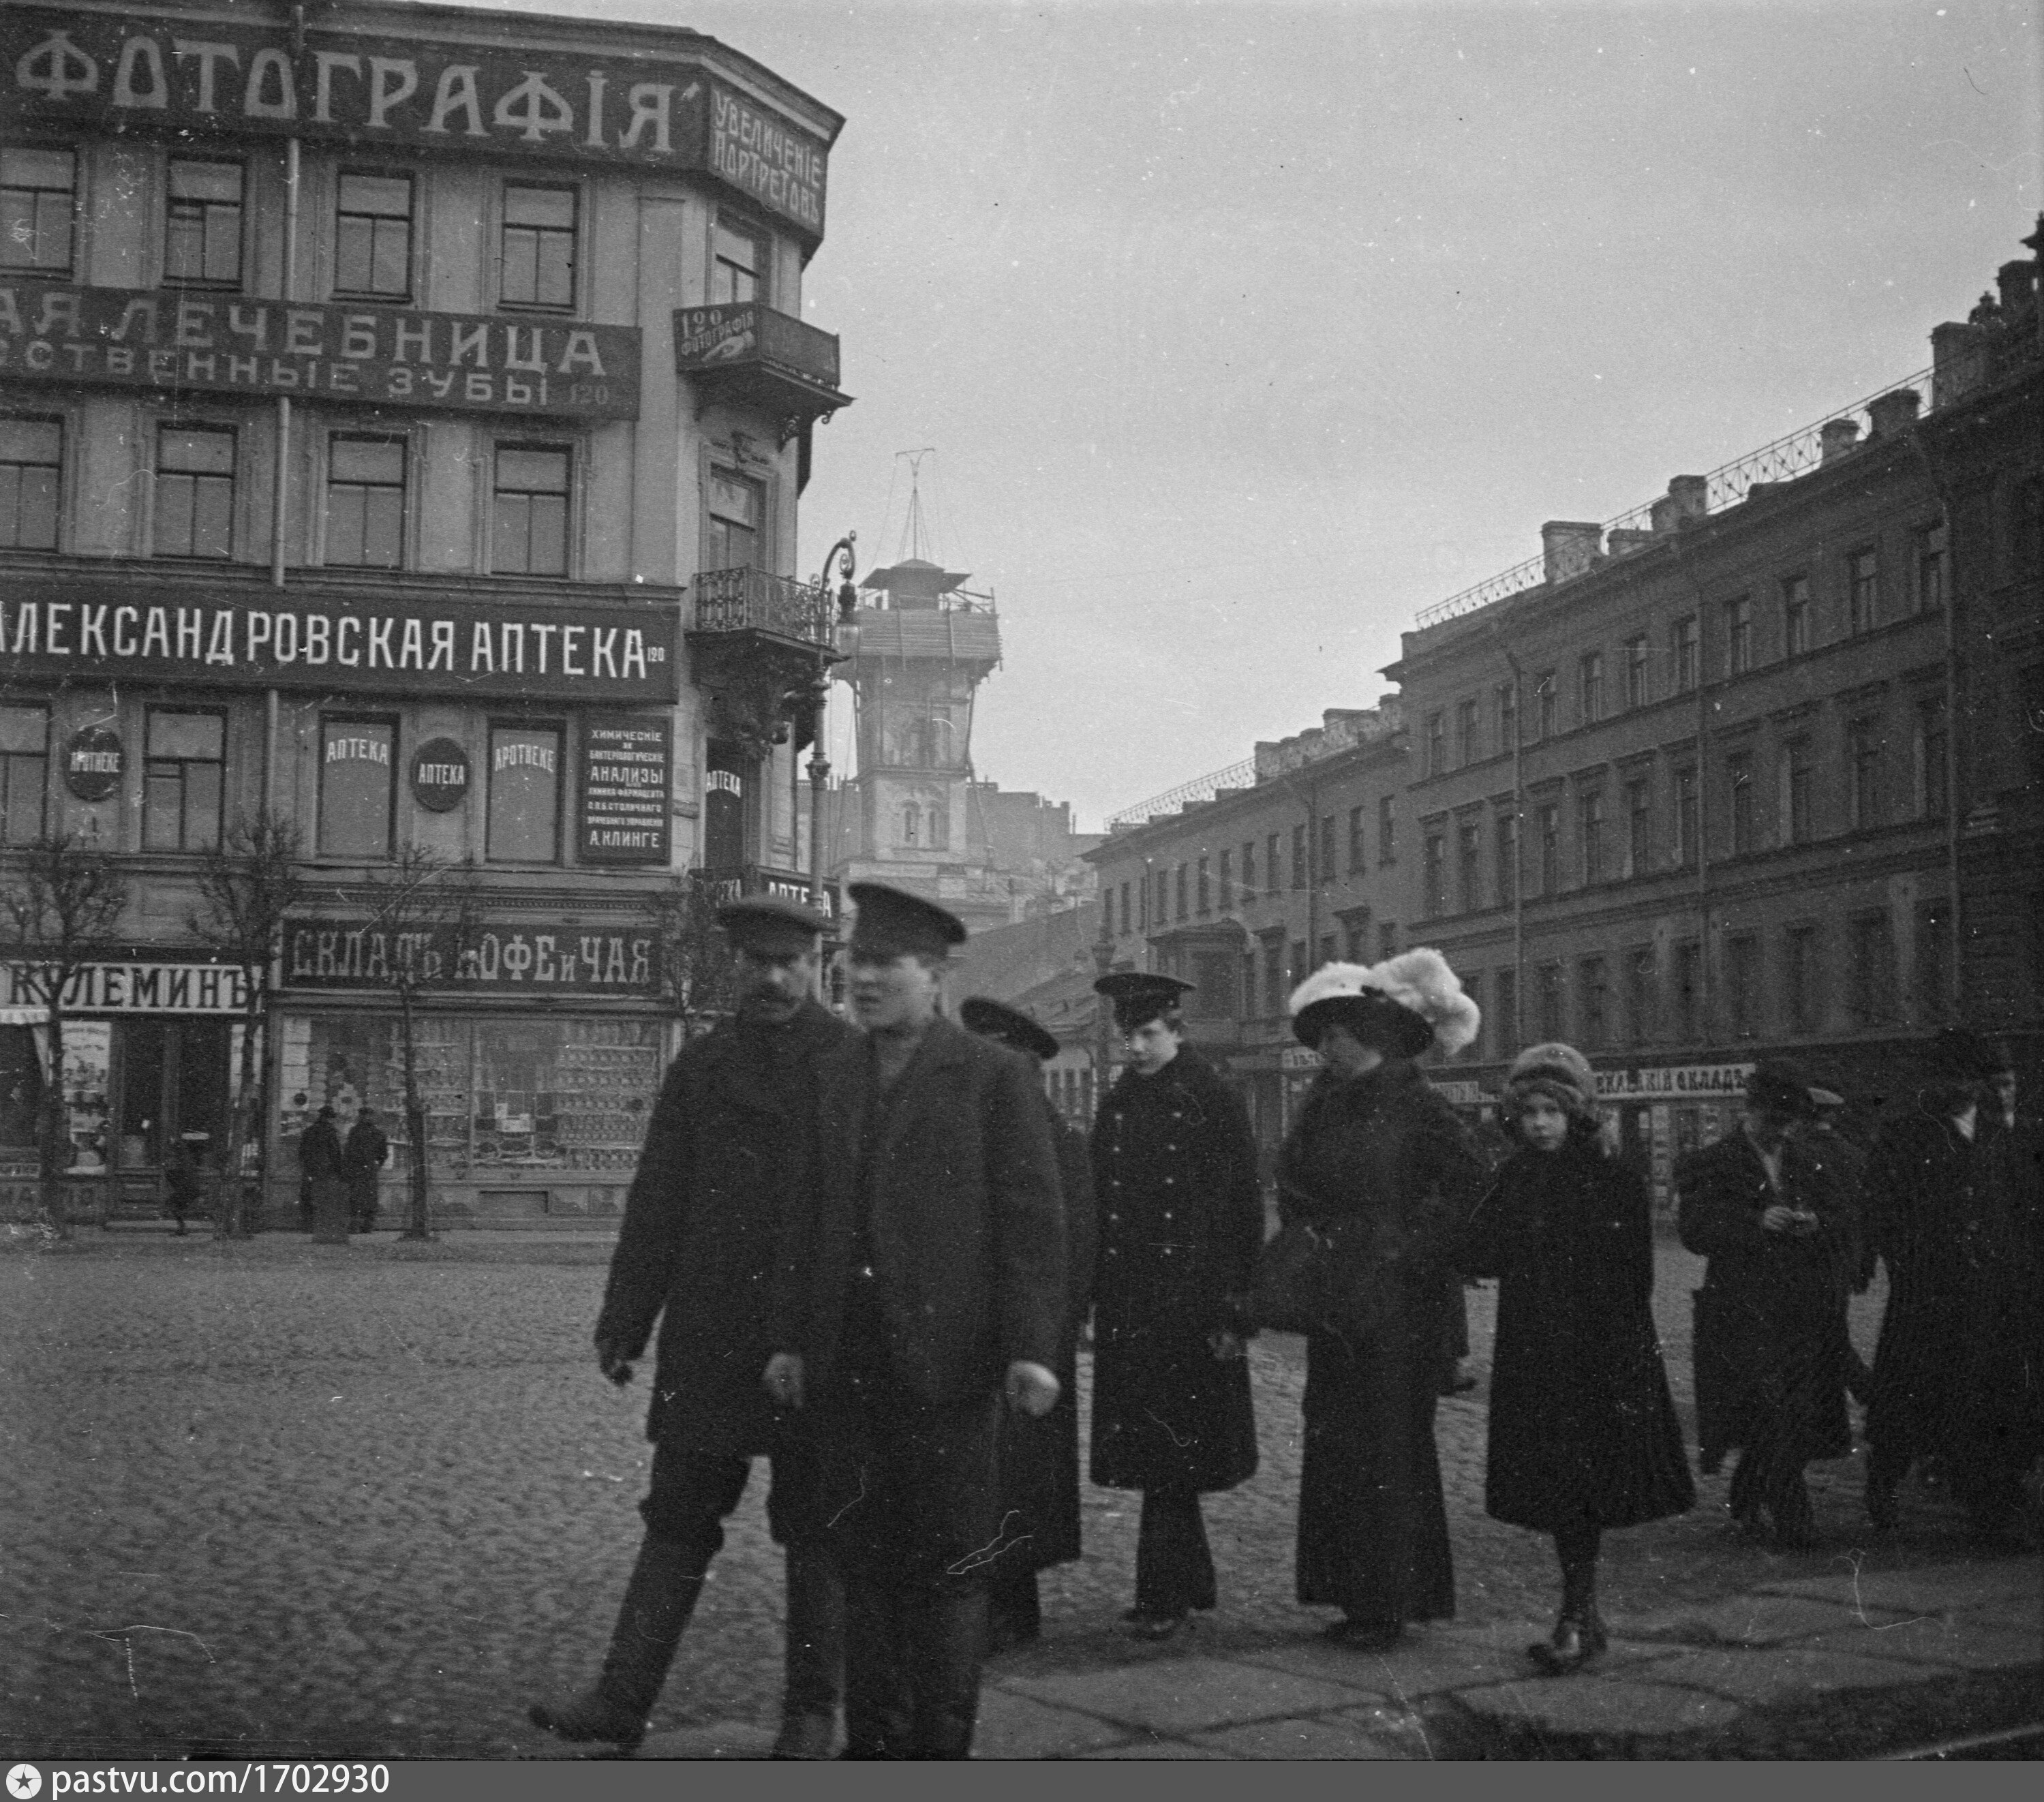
{"x":926,"y":1279}
{"x":362,"y":1157}
{"x":731,"y":1144}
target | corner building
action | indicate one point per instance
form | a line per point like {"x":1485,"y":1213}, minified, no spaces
{"x":403,"y":413}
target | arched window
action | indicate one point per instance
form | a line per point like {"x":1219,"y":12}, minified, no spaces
{"x":940,"y":826}
{"x":911,"y":821}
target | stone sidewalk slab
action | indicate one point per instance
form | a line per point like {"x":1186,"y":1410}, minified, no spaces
{"x":1149,"y":1748}
{"x":1604,"y":1706}
{"x":1330,"y":1736}
{"x":1937,"y":1589}
{"x":1180,"y":1696}
{"x":1956,"y":1644}
{"x":1014,"y":1726}
{"x":1761,"y":1619}
{"x":1767,"y":1673}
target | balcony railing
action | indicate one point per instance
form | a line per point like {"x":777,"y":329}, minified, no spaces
{"x":750,"y":600}
{"x":744,"y":354}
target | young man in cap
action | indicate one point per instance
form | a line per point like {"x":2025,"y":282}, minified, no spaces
{"x":1040,"y":1459}
{"x":1181,"y":1225}
{"x":924,"y":1280}
{"x":1770,"y":1360}
{"x":731,"y":1142}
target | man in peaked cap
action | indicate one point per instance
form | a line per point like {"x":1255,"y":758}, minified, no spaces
{"x":924,"y":1279}
{"x":731,"y":1143}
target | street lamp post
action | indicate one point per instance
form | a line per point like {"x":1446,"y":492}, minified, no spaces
{"x":842,"y":556}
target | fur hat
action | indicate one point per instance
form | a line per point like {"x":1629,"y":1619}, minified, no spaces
{"x":1400,"y":1006}
{"x":1560,"y":1072}
{"x":1781,"y":1085}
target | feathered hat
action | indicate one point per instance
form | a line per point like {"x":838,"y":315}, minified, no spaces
{"x":1400,"y":1006}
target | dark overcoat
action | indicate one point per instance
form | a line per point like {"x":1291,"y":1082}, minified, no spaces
{"x":1373,"y":1523}
{"x":1581,"y":1424}
{"x":1956,"y":1370}
{"x":362,"y":1158}
{"x":731,"y":1143}
{"x":1770,"y":1345}
{"x":1181,"y":1222}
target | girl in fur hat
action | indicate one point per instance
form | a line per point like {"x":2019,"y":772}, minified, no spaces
{"x":1583,"y":1434}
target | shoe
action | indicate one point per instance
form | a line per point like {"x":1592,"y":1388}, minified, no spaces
{"x":1574,"y":1642}
{"x":1358,"y":1634}
{"x":659,"y":1598}
{"x":591,"y":1715}
{"x":1146,"y":1623}
{"x":806,"y":1735}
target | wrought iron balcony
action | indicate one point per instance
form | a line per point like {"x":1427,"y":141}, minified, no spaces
{"x":748,"y":354}
{"x":750,"y":600}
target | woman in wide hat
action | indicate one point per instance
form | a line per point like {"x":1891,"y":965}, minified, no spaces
{"x":1378,"y":1157}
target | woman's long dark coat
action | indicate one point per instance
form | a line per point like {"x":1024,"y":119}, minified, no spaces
{"x":1770,"y":1345}
{"x":1372,"y":1524}
{"x":1181,"y":1222}
{"x":1955,"y":1369}
{"x":1581,"y":1424}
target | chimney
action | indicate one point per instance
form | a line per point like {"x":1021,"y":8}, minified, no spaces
{"x":1570,"y":547}
{"x":1838,"y":435}
{"x":2018,"y":285}
{"x":1625,"y":538}
{"x":1958,"y":362}
{"x":1892,"y":413}
{"x":1685,"y":500}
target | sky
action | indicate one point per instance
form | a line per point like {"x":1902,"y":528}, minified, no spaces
{"x":1244,"y":331}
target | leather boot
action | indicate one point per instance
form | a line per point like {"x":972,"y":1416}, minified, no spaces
{"x":658,"y":1600}
{"x":949,"y":1630}
{"x":815,"y":1658}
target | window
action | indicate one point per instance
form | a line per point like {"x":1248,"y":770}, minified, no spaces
{"x":38,"y":189}
{"x":1298,"y":857}
{"x":1226,"y":875}
{"x":1741,"y":981}
{"x":1686,"y":817}
{"x":1248,"y":868}
{"x":1299,"y":969}
{"x":1639,"y":986}
{"x":1507,"y":716}
{"x":1505,"y":839}
{"x":1387,"y":851}
{"x":530,"y":510}
{"x":1863,"y":752}
{"x":1933,"y":969}
{"x":1796,"y":786}
{"x":524,"y":825}
{"x":1862,"y":590}
{"x":1327,"y":949}
{"x":1437,"y":745}
{"x":538,"y":255}
{"x":1504,"y":1016}
{"x":1549,"y":1001}
{"x":1871,"y":967}
{"x":1473,"y":987}
{"x":1739,"y":781}
{"x":1163,"y":896}
{"x":1594,"y":1000}
{"x":358,"y":779}
{"x":1387,"y":940}
{"x":1354,"y":839}
{"x":1739,"y":636}
{"x":31,"y":473}
{"x":1931,"y":569}
{"x":1274,"y":975}
{"x":1639,"y":826}
{"x":1547,"y":821}
{"x":736,"y":506}
{"x":194,"y":491}
{"x":1356,"y":933}
{"x":2026,"y":529}
{"x":1249,"y":985}
{"x":1589,"y":828}
{"x":1127,"y":925}
{"x":365,"y":502}
{"x":1589,"y":686}
{"x":25,"y":759}
{"x":940,"y":826}
{"x":1932,"y":744}
{"x":1178,"y":886}
{"x":1469,"y":866}
{"x":1271,"y":878}
{"x":1637,"y":664}
{"x":372,"y":235}
{"x":1799,"y":978}
{"x":1326,"y":859}
{"x":182,"y":780}
{"x":1795,"y":616}
{"x":1465,"y":733}
{"x":1436,"y":861}
{"x":1546,"y":706}
{"x":1203,"y":899}
{"x":1682,"y":655}
{"x":202,"y":229}
{"x":737,"y":263}
{"x":1688,"y":991}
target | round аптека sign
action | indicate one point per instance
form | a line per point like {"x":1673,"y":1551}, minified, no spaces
{"x":440,"y":775}
{"x":93,"y":763}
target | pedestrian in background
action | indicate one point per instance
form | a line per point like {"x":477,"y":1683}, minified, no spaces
{"x":1770,"y":1358}
{"x":923,"y":1279}
{"x":1583,"y":1431}
{"x":181,"y":1176}
{"x":1039,"y":1456}
{"x":1956,"y":1372}
{"x":362,"y":1158}
{"x":1181,"y":1223}
{"x":1846,"y":1164}
{"x":731,"y":1143}
{"x":322,"y":1188}
{"x":1377,"y":1151}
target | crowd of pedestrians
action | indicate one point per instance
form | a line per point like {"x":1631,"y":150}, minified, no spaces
{"x":871,"y":1254}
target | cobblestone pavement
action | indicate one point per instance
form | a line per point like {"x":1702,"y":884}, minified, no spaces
{"x":295,"y":1501}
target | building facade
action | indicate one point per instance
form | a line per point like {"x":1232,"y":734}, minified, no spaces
{"x":403,"y":412}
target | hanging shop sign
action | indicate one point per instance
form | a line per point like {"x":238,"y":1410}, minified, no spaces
{"x":132,"y":987}
{"x":720,"y":884}
{"x":176,"y":343}
{"x":495,"y":959}
{"x":94,"y":763}
{"x":440,"y":775}
{"x":627,"y":769}
{"x":185,"y":77}
{"x":130,"y":631}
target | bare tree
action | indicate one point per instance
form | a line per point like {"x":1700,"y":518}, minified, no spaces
{"x":426,"y":908}
{"x":246,"y":884}
{"x":698,"y":978}
{"x":60,"y":905}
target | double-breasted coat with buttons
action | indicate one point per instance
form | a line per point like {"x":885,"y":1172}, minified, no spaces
{"x":1181,"y":1223}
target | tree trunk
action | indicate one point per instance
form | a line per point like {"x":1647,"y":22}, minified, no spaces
{"x":233,"y":1221}
{"x":415,"y":1123}
{"x":55,"y":1151}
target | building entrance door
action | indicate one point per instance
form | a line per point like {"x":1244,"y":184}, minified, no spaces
{"x":171,"y":1077}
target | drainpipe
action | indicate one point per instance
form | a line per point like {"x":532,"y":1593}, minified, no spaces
{"x":1518,"y":845}
{"x":1941,"y":486}
{"x":1704,"y":992}
{"x":280,"y":474}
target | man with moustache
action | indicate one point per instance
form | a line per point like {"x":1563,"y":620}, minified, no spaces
{"x":925,"y":1281}
{"x":731,"y":1143}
